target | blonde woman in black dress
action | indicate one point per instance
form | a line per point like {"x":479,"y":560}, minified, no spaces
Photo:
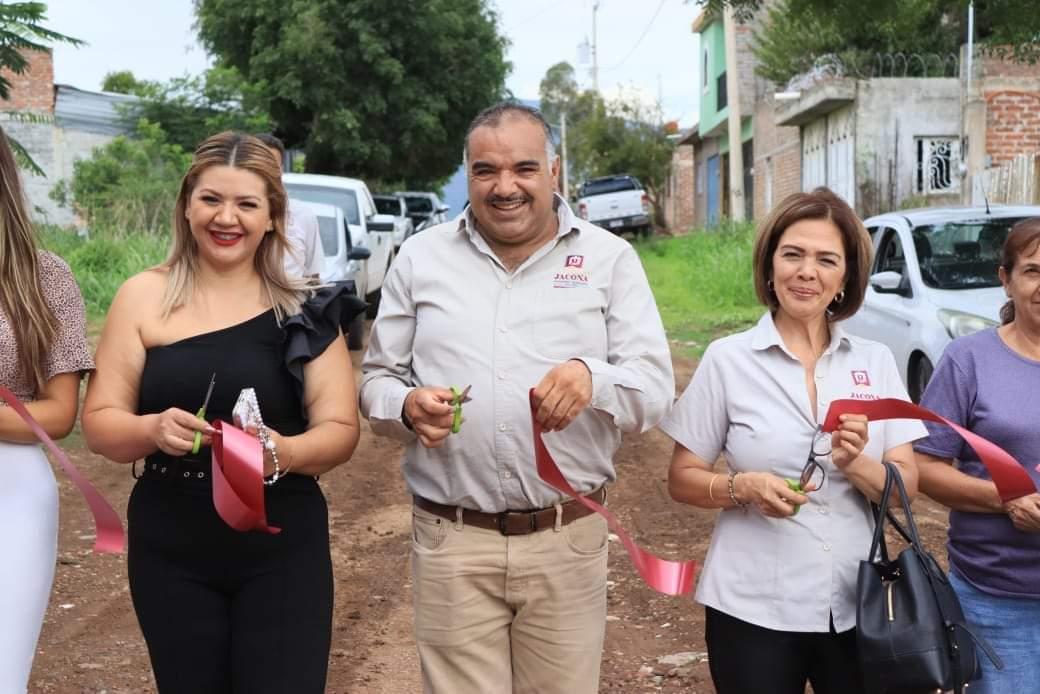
{"x":222,"y":610}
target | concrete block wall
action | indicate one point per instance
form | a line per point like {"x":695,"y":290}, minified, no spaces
{"x":778,"y":158}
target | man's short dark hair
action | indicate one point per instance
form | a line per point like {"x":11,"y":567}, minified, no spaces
{"x":271,"y":141}
{"x":493,"y":116}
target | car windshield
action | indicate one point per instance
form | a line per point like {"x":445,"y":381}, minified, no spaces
{"x":963,"y":254}
{"x":329,"y":236}
{"x":388,"y":206}
{"x":608,"y":185}
{"x":417,"y":203}
{"x":342,"y":198}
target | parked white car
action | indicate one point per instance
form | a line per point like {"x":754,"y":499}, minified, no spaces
{"x":345,"y":259}
{"x":394,"y":206}
{"x":615,"y":203}
{"x":425,"y":209}
{"x":934,"y":279}
{"x":367,"y":228}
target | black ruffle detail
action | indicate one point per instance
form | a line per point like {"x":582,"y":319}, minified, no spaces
{"x":313,"y":329}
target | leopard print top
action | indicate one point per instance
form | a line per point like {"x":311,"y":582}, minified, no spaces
{"x":70,"y":351}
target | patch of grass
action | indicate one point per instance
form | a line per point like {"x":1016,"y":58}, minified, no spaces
{"x":702,"y":284}
{"x":104,"y":261}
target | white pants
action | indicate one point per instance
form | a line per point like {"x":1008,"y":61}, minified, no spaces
{"x":28,"y":547}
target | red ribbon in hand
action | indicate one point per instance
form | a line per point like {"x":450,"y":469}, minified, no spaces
{"x":238,"y":479}
{"x":1011,"y":479}
{"x":107,"y":526}
{"x":663,"y":575}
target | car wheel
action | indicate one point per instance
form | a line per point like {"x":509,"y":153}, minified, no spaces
{"x":356,"y":333}
{"x":920,"y":373}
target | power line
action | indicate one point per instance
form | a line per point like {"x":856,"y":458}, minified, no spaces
{"x":536,"y":15}
{"x":639,"y":40}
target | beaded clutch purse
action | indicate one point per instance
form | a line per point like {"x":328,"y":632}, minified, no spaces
{"x":246,"y":414}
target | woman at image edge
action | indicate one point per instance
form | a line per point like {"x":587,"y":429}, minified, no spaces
{"x":43,"y":352}
{"x":223,"y":610}
{"x":779,"y":580}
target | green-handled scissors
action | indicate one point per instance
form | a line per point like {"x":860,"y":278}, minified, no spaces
{"x":458,"y":397}
{"x":201,"y":414}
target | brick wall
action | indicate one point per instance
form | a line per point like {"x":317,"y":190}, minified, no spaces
{"x":1011,"y":91}
{"x":1012,"y":124}
{"x":778,"y":158}
{"x":33,"y":90}
{"x":679,"y":207}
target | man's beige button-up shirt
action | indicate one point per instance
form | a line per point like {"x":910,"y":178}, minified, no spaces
{"x":451,"y":314}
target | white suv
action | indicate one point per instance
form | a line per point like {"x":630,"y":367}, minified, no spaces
{"x":934,"y":279}
{"x":367,"y":228}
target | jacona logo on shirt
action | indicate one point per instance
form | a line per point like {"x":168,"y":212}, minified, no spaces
{"x":572,"y":275}
{"x":861,"y":382}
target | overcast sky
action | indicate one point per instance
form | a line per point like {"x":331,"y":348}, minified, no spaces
{"x":644,"y":47}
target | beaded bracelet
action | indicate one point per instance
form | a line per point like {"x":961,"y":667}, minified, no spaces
{"x":732,"y":493}
{"x":268,"y":444}
{"x":246,"y":415}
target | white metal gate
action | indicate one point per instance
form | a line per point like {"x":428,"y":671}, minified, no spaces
{"x":828,"y":154}
{"x":841,"y":158}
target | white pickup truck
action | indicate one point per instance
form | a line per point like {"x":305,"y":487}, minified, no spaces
{"x":616,"y":203}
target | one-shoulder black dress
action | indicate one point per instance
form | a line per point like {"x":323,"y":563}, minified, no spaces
{"x":223,"y":610}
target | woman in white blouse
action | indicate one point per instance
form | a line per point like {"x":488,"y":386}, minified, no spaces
{"x":779,"y":580}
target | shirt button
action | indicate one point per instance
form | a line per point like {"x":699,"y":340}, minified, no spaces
{"x":503,"y":329}
{"x":826,"y":548}
{"x":503,"y":427}
{"x":509,"y":284}
{"x":821,"y":509}
{"x":507,"y":474}
{"x":502,"y":375}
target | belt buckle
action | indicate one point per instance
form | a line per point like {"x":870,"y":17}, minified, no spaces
{"x":503,"y":523}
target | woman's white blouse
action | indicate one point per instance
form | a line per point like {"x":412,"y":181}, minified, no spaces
{"x":748,"y":401}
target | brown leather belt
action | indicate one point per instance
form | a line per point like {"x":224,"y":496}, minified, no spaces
{"x":515,"y":522}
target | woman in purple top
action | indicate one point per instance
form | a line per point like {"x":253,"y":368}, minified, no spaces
{"x":987,"y":382}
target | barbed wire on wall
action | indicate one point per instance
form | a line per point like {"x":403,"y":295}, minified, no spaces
{"x":871,"y":65}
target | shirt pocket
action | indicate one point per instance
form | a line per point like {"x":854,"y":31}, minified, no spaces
{"x":570,"y":322}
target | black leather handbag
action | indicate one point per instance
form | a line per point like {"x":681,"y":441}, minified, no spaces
{"x":910,"y":630}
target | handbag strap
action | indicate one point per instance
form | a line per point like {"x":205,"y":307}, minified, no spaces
{"x":880,"y":511}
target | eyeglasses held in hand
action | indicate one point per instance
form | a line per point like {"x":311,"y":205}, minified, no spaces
{"x":813,"y":470}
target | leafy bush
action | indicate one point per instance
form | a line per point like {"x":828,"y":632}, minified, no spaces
{"x":104,"y":261}
{"x":129,"y":185}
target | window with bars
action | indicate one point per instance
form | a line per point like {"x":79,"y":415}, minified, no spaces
{"x":937,"y":159}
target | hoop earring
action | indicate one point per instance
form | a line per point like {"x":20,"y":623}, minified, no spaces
{"x":770,"y":286}
{"x":839,"y":297}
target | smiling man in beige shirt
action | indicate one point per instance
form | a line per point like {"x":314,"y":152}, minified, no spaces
{"x":510,"y":577}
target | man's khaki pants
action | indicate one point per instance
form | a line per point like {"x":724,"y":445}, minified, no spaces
{"x":520,"y":614}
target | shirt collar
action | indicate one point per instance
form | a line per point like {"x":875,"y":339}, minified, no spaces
{"x":468,"y":223}
{"x":765,"y":335}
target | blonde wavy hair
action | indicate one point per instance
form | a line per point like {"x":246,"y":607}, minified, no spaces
{"x":241,"y":151}
{"x":21,"y":295}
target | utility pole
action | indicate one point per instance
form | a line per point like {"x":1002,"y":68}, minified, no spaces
{"x":563,"y":155}
{"x":736,"y":148}
{"x":595,"y":49}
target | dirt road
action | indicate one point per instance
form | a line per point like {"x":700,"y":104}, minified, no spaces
{"x":91,"y":642}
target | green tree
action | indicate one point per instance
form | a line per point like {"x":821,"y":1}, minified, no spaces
{"x":557,"y":92}
{"x":124,"y":82}
{"x":21,"y":31}
{"x":369,"y":88}
{"x":190,"y":109}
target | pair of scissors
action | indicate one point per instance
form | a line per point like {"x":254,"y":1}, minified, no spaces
{"x":201,"y":414}
{"x":458,"y":397}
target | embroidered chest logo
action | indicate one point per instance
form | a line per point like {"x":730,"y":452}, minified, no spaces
{"x":573,"y":275}
{"x":860,"y":381}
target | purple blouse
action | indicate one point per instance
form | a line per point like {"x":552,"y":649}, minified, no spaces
{"x":988,"y":388}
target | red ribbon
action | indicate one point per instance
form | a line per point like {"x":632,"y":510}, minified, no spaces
{"x":1011,"y":479}
{"x":663,"y":575}
{"x":238,"y":479}
{"x":108,"y":528}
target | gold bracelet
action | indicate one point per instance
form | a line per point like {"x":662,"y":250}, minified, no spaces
{"x":712,"y":482}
